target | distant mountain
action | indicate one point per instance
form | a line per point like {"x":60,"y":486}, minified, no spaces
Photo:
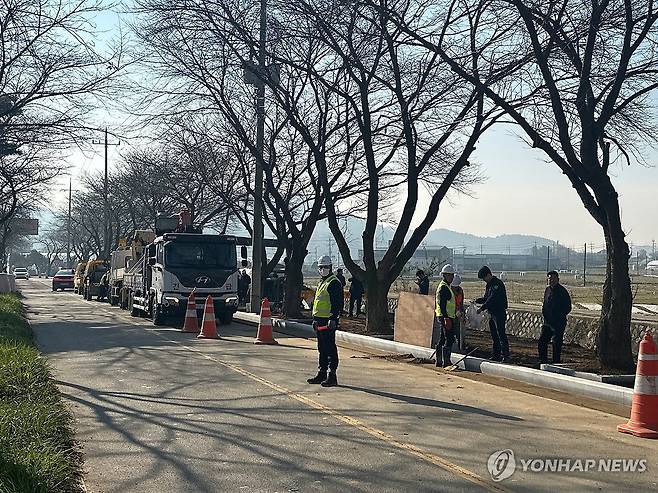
{"x":507,"y":243}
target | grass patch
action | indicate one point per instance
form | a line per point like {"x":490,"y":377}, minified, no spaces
{"x":38,"y":452}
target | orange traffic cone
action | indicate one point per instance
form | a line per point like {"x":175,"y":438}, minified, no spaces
{"x":265,"y":325}
{"x":644,"y":411}
{"x":191,"y":322}
{"x":208,"y":324}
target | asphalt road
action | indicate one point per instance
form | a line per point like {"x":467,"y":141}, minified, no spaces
{"x":158,"y":410}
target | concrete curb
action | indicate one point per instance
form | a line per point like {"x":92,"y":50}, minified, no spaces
{"x":541,"y":378}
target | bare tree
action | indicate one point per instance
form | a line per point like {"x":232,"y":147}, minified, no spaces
{"x":577,"y":81}
{"x":54,"y":243}
{"x":408,"y":124}
{"x":200,"y":49}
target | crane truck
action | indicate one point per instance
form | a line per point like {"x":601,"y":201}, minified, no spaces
{"x":178,"y":261}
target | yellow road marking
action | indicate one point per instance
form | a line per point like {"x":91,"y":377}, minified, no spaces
{"x":375,"y":432}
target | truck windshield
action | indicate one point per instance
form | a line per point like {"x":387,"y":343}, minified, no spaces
{"x":200,"y":255}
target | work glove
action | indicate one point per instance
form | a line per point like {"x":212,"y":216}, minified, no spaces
{"x":333,"y":324}
{"x":446,"y":323}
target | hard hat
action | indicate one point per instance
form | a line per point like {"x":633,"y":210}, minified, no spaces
{"x":447,"y":269}
{"x":324,"y":261}
{"x":457,"y":280}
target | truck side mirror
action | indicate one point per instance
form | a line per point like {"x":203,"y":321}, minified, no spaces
{"x":152,"y":261}
{"x":245,"y":263}
{"x":243,"y":254}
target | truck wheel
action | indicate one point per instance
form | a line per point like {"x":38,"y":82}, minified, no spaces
{"x":134,"y":312}
{"x":225,"y":318}
{"x":156,"y":313}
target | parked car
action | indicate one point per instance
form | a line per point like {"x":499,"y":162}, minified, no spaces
{"x":21,"y":273}
{"x":63,"y":279}
{"x":77,"y":277}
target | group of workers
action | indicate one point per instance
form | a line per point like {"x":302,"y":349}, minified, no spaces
{"x":449,"y":307}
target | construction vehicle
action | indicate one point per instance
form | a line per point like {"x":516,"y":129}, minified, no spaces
{"x":180,"y":260}
{"x":91,"y":284}
{"x":77,"y":277}
{"x":127,"y":255}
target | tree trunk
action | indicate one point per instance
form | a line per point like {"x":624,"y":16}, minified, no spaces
{"x":614,"y":337}
{"x":377,"y":321}
{"x":293,"y":285}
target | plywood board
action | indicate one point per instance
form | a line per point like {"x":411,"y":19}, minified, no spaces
{"x":414,"y":319}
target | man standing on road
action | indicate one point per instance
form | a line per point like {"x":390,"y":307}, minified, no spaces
{"x":327,"y":307}
{"x":356,"y":296}
{"x":445,"y":311}
{"x":556,"y":307}
{"x":495,"y":302}
{"x":423,"y":282}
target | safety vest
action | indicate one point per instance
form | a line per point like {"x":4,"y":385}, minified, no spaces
{"x":451,"y":306}
{"x":322,"y":301}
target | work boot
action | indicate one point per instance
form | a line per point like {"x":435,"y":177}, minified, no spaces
{"x":331,"y":380}
{"x":319,"y":378}
{"x":446,"y":357}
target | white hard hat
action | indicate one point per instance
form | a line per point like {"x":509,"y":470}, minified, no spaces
{"x":447,"y":269}
{"x":457,"y":280}
{"x":324,"y":261}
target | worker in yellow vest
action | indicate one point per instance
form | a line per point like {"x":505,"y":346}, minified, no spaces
{"x":445,"y":311}
{"x":327,"y":307}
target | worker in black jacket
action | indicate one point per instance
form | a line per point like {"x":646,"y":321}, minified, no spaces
{"x":423,"y":282}
{"x":327,"y":307}
{"x":556,"y":307}
{"x":495,"y":302}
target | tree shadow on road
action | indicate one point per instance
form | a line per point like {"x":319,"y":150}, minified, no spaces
{"x":422,"y":401}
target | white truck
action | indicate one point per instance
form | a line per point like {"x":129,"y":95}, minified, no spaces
{"x":174,"y":264}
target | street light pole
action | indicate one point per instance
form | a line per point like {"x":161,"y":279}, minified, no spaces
{"x":257,"y":239}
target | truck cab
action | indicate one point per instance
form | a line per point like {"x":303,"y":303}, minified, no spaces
{"x":177,"y":263}
{"x":91,"y":284}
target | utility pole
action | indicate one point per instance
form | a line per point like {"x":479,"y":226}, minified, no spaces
{"x":106,"y":212}
{"x":584,"y":264}
{"x":548,"y":258}
{"x":257,"y":241}
{"x":68,"y":230}
{"x":653,"y":249}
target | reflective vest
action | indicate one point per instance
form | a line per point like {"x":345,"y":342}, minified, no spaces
{"x":322,"y":301}
{"x":451,"y":306}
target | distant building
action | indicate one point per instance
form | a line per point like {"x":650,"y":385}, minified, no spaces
{"x":426,"y":258}
{"x":499,"y":262}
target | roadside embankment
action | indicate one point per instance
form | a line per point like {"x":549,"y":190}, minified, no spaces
{"x":38,"y":452}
